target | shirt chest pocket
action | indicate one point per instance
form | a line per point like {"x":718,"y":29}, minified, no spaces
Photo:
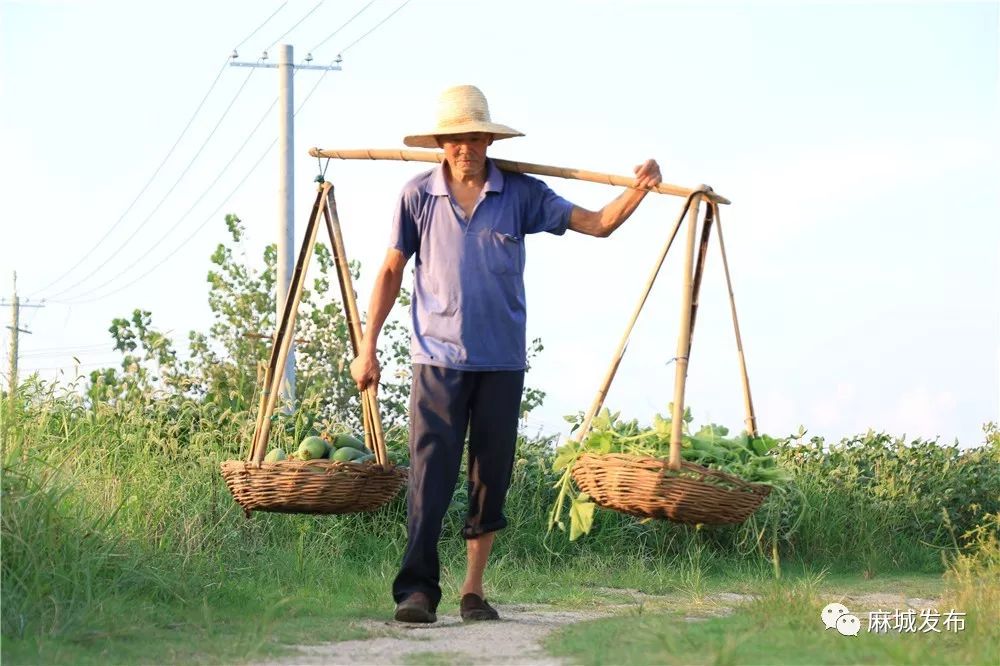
{"x":503,"y":253}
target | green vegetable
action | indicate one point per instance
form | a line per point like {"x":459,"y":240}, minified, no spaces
{"x":743,"y":456}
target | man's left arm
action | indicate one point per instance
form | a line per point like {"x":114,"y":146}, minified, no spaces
{"x":602,"y":223}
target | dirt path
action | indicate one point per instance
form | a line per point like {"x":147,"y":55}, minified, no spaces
{"x":517,"y":638}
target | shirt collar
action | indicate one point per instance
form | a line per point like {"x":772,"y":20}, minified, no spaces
{"x":436,"y":185}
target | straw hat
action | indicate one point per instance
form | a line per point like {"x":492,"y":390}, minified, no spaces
{"x":461,"y":109}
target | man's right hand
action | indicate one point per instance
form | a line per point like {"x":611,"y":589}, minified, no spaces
{"x":365,"y":370}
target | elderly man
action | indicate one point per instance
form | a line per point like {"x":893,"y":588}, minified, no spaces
{"x":466,"y":221}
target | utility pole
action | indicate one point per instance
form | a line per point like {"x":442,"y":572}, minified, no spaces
{"x":286,"y":187}
{"x":15,"y":329}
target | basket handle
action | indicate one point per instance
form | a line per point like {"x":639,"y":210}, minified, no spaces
{"x":371,"y":416}
{"x":689,"y":308}
{"x":283,"y":338}
{"x":616,"y":359}
{"x":751,"y":419}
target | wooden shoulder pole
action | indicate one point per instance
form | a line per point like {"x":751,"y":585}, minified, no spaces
{"x":509,"y":165}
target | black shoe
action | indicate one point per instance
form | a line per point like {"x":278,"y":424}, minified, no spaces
{"x":415,"y":608}
{"x":475,"y":609}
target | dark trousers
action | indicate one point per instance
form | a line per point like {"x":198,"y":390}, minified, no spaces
{"x":444,"y":404}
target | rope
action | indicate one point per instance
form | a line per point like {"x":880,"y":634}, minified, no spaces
{"x":321,"y":178}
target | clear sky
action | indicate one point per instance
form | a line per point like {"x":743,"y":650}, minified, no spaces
{"x":857,"y":142}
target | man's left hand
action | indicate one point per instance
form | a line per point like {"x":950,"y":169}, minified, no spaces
{"x":647,"y":175}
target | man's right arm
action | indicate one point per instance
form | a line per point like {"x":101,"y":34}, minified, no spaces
{"x":365,"y":369}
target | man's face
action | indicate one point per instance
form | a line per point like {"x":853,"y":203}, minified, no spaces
{"x":466,"y":153}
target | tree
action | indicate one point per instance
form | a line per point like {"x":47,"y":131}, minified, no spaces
{"x":225,"y":365}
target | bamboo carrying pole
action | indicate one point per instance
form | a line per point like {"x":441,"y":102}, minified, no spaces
{"x":373,"y":418}
{"x":751,"y":419}
{"x":602,"y":392}
{"x":283,"y":338}
{"x":509,"y":165}
{"x":684,"y":339}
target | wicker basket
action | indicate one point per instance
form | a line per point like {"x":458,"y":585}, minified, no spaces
{"x":313,"y":486}
{"x":644,"y":486}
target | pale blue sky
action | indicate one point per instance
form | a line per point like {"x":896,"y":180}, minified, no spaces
{"x":858,"y":143}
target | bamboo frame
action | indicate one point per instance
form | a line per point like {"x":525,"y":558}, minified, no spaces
{"x":693,"y":274}
{"x":602,"y":392}
{"x":694,"y":268}
{"x":684,"y":339}
{"x":751,"y":419}
{"x":369,"y":403}
{"x":325,"y":206}
{"x":283,"y":339}
{"x":699,"y":269}
{"x":510,"y":165}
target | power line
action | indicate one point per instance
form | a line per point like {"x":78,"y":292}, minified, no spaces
{"x":323,"y":75}
{"x":377,"y":26}
{"x":284,"y":34}
{"x":69,"y":351}
{"x":156,"y":244}
{"x":74,"y":298}
{"x":344,"y":25}
{"x":247,"y":38}
{"x":50,"y":349}
{"x":149,"y":182}
{"x":162,"y":200}
{"x":256,"y":164}
{"x":193,"y":234}
{"x":217,"y":209}
{"x":96,"y":364}
{"x":164,"y":161}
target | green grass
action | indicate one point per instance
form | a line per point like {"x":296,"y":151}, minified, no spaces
{"x":121,"y":544}
{"x":433,"y":659}
{"x":250,"y":617}
{"x":781,"y":626}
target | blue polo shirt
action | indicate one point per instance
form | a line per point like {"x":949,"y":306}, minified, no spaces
{"x":468,"y":306}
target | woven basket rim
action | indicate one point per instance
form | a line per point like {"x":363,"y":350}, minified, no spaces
{"x":312,"y":486}
{"x":298,"y":465}
{"x":662,"y":465}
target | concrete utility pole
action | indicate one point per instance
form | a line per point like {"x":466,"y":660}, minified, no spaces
{"x":15,"y":329}
{"x":286,"y":187}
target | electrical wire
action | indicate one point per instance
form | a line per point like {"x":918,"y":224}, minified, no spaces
{"x":56,"y":297}
{"x":344,"y":25}
{"x":377,"y":26}
{"x":252,"y":169}
{"x":149,"y":182}
{"x":68,"y":350}
{"x":158,"y":242}
{"x":208,"y":219}
{"x":285,"y":34}
{"x":247,"y":38}
{"x":96,"y":364}
{"x":325,"y":72}
{"x":170,"y":152}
